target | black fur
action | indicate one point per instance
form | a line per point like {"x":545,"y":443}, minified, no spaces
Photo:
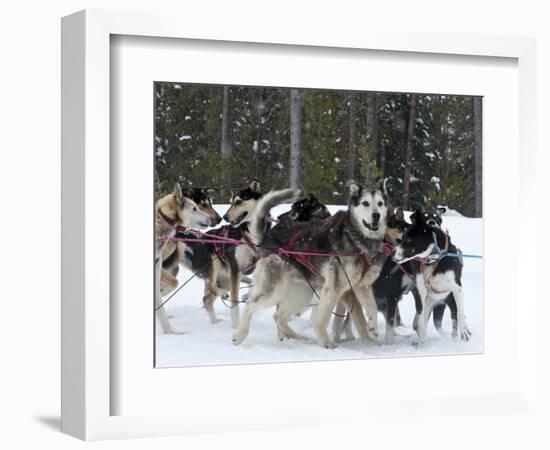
{"x":336,"y":234}
{"x":416,"y":240}
{"x":390,"y":286}
{"x":198,"y":255}
{"x":305,"y":209}
{"x":247,"y":194}
{"x":197,"y":194}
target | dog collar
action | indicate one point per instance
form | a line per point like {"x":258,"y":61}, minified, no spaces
{"x":437,"y":253}
{"x":174,"y":223}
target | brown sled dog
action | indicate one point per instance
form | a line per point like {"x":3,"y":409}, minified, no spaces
{"x":171,"y":211}
{"x":220,"y":265}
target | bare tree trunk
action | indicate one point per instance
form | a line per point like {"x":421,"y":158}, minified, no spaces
{"x":295,"y":137}
{"x":225,"y":146}
{"x":352,"y":146}
{"x":445,"y":154}
{"x":372,"y":140}
{"x":478,"y":156}
{"x":408,"y":153}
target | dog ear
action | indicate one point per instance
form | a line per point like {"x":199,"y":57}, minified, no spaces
{"x":441,"y":210}
{"x":417,"y":218}
{"x":188,"y":192}
{"x":399,"y":214}
{"x":178,"y":192}
{"x":354,"y":188}
{"x":255,"y":186}
{"x":310,"y":197}
{"x":382,"y":185}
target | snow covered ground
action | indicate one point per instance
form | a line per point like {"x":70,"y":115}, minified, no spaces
{"x":207,"y":344}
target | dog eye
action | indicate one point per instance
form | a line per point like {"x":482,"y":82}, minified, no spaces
{"x":380,"y":203}
{"x":365,"y":203}
{"x":194,"y":208}
{"x":238,"y":202}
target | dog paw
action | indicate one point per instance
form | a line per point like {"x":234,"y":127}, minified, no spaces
{"x":238,"y":337}
{"x":216,"y":320}
{"x":327,"y":343}
{"x":175,"y":332}
{"x":466,"y":335}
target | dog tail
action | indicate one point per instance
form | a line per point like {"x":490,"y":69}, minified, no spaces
{"x":258,"y":224}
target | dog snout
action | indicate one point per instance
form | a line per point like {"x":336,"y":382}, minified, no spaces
{"x":375,"y":217}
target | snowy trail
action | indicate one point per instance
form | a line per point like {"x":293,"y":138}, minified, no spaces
{"x":207,"y":344}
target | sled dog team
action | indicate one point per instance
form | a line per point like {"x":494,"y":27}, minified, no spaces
{"x":357,"y":261}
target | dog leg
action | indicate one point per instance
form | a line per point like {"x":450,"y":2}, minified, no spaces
{"x":420,"y":294}
{"x":326,"y":306}
{"x":234,"y":286}
{"x":398,"y":321}
{"x":450,"y":301}
{"x":258,"y":301}
{"x":314,"y":311}
{"x":347,"y":327}
{"x":438,"y":312}
{"x":208,"y":303}
{"x":463,"y":331}
{"x":357,"y":317}
{"x":391,"y":312}
{"x":284,"y":330}
{"x":366,"y":298}
{"x":338,"y":322}
{"x":160,"y":310}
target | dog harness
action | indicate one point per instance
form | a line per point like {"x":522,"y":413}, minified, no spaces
{"x":440,"y":256}
{"x":303,"y":257}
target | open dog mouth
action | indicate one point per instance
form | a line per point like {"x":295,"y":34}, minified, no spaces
{"x":371,"y":226}
{"x":239,"y":219}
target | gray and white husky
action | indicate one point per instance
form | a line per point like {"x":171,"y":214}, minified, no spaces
{"x":351,"y":246}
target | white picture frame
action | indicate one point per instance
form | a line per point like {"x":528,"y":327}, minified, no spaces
{"x":87,"y":355}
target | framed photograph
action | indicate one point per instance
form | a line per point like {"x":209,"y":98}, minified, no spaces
{"x":250,"y":219}
{"x":215,"y":141}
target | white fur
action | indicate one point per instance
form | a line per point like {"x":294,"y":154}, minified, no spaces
{"x":434,"y":290}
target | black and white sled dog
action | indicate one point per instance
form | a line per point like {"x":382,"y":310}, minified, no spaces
{"x":304,"y":209}
{"x":331,"y":257}
{"x":435,"y":219}
{"x":436,"y":275}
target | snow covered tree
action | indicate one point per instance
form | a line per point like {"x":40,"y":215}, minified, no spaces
{"x":428,"y":146}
